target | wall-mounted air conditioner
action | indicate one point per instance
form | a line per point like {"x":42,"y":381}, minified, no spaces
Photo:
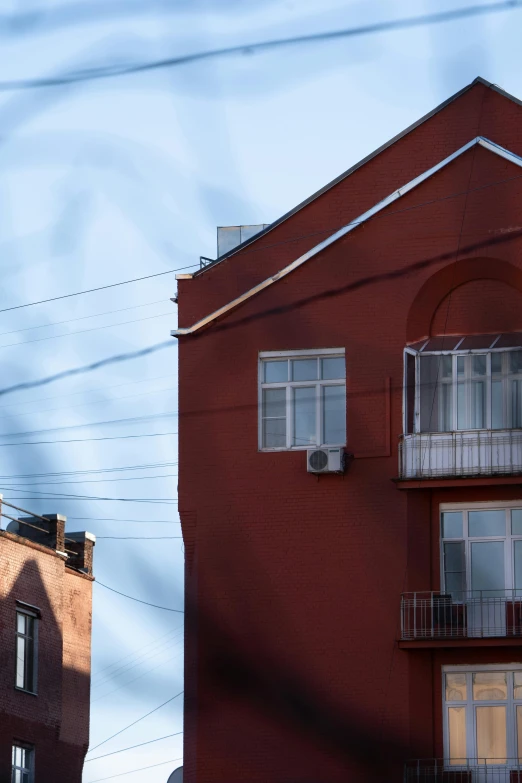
{"x":325,"y":460}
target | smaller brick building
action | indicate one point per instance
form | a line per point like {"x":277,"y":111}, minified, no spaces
{"x":45,"y":650}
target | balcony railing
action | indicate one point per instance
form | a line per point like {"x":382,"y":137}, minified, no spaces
{"x":454,"y":454}
{"x":461,"y":615}
{"x":463,"y":771}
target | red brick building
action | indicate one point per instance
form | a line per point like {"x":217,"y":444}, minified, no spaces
{"x":354,"y":624}
{"x":45,"y":650}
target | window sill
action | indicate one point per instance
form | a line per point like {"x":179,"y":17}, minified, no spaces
{"x":302,"y":448}
{"x":24,"y":690}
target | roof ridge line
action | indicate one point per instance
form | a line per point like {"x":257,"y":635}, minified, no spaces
{"x":482,"y":141}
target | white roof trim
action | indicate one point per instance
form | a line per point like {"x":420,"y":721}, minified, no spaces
{"x":480,"y":140}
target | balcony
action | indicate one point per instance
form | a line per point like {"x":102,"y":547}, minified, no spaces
{"x":460,"y":454}
{"x":474,"y":614}
{"x":467,"y":771}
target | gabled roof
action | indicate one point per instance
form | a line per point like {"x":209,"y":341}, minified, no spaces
{"x":351,"y":170}
{"x":397,"y":194}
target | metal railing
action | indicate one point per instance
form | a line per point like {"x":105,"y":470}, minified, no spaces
{"x":461,"y":615}
{"x":469,"y":453}
{"x":463,"y":770}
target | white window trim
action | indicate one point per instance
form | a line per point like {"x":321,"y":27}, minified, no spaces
{"x":35,"y":615}
{"x":311,"y":353}
{"x":510,"y":703}
{"x":28,"y":747}
{"x":509,"y":552}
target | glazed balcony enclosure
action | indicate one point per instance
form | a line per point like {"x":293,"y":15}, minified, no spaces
{"x":462,"y":407}
{"x":468,"y":770}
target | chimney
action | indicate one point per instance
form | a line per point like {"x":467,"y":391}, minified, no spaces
{"x":79,"y":547}
{"x":48,"y":530}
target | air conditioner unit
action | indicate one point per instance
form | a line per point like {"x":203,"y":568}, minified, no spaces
{"x":325,"y":460}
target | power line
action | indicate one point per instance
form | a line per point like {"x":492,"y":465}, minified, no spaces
{"x":138,"y":677}
{"x":139,"y":538}
{"x":141,"y":769}
{"x":112,"y":71}
{"x":135,"y":722}
{"x":64,"y":495}
{"x":144,"y":466}
{"x":88,"y":440}
{"x":128,"y":420}
{"x":92,"y":481}
{"x":132,"y":747}
{"x":139,"y":601}
{"x":134,"y":521}
{"x":93,"y":290}
{"x":152,"y":644}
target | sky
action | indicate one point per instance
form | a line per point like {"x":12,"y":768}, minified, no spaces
{"x":127,"y":177}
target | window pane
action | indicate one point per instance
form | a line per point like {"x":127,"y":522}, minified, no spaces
{"x":460,"y":365}
{"x":452,"y":524}
{"x":461,"y":406}
{"x":497,"y":415}
{"x":305,"y":416}
{"x":456,"y":687}
{"x":489,"y":686}
{"x":446,"y":408}
{"x":274,"y":433}
{"x":487,"y":523}
{"x":487,"y":568}
{"x":496,"y":362}
{"x":519,"y":733}
{"x":20,"y":661}
{"x":516,"y":404}
{"x":516,"y":521}
{"x":517,"y":686}
{"x":333,"y":368}
{"x":454,"y":569}
{"x":410,"y":392}
{"x":20,"y":622}
{"x":334,"y":414}
{"x":276,"y":371}
{"x":274,"y":403}
{"x":457,"y":734}
{"x":445,"y":366}
{"x":478,"y":364}
{"x":517,"y":556}
{"x":431,"y":407}
{"x":478,"y":405}
{"x":515,"y":361}
{"x":491,"y":735}
{"x":304,"y":370}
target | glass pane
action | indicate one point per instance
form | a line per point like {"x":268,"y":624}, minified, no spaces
{"x":478,"y":364}
{"x":515,"y":361}
{"x":274,"y":433}
{"x":516,"y":404}
{"x":497,"y":415}
{"x":446,"y":364}
{"x":517,"y":556}
{"x":496,"y":362}
{"x":333,"y":368}
{"x":489,"y":686}
{"x":410,"y":392}
{"x":334,"y":414}
{"x":460,"y":365}
{"x":305,"y":416}
{"x":491,"y":735}
{"x":452,"y":524}
{"x":487,"y":568}
{"x":17,"y":776}
{"x":304,"y":369}
{"x":487,"y":523}
{"x":454,"y":569}
{"x":430,"y":404}
{"x":456,"y":687}
{"x":461,"y":406}
{"x":478,"y":405}
{"x":519,"y":733}
{"x":446,"y":408}
{"x":457,"y":734}
{"x":517,"y":686}
{"x":274,"y":403}
{"x":20,"y":662}
{"x":276,"y":371}
{"x":516,"y":521}
{"x":455,"y":584}
{"x":20,"y":622}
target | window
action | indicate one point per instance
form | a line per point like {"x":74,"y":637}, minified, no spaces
{"x":22,"y":765}
{"x":483,"y":715}
{"x":482,"y":551}
{"x":303,"y":399}
{"x":26,"y":650}
{"x":463,"y":389}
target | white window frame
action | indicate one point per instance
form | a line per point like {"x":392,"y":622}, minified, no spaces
{"x":512,"y":753}
{"x":508,"y":538}
{"x":27,"y":772}
{"x":22,"y":609}
{"x":313,"y":353}
{"x":505,"y":376}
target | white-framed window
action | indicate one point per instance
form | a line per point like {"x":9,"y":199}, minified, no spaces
{"x":22,"y":765}
{"x":302,"y":399}
{"x":463,"y":383}
{"x":481,"y":550}
{"x":26,"y":636}
{"x":482,"y":715}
